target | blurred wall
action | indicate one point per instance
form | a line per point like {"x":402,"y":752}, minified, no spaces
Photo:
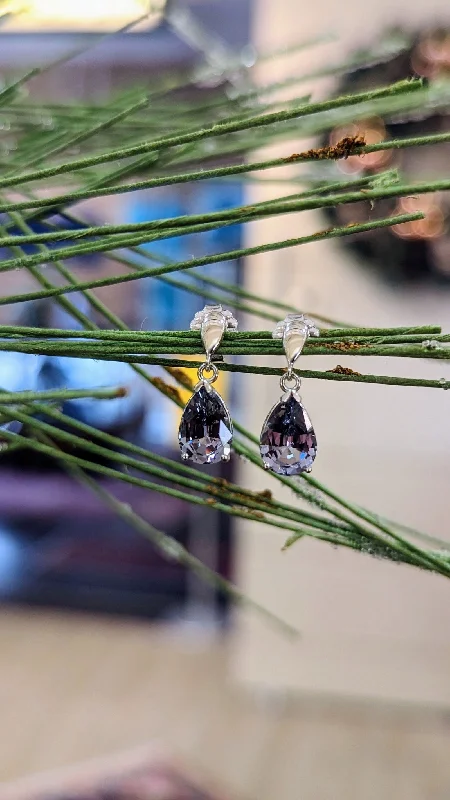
{"x":369,"y":628}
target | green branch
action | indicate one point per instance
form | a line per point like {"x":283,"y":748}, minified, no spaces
{"x":175,"y":551}
{"x":169,"y":547}
{"x":119,"y":242}
{"x":197,"y":223}
{"x":400,"y":549}
{"x":218,"y":129}
{"x":140,"y":348}
{"x":143,"y":337}
{"x":62,"y":395}
{"x":234,"y":170}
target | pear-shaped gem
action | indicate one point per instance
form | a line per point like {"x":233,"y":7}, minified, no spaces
{"x":288,"y":443}
{"x":205,"y":431}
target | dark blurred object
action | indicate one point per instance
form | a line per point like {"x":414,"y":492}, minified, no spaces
{"x":416,"y":252}
{"x":153,"y":778}
{"x":65,"y":548}
{"x":61,"y":546}
{"x":58,"y":221}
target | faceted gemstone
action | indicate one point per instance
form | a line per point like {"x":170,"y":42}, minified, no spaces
{"x":12,"y":427}
{"x":288,"y":443}
{"x":205,"y":431}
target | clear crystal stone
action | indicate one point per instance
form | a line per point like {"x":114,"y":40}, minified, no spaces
{"x":205,"y":431}
{"x":288,"y":443}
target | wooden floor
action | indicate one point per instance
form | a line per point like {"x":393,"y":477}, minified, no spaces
{"x":75,"y":688}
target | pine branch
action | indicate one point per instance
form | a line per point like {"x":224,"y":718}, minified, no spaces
{"x":198,"y":223}
{"x":231,"y":255}
{"x":166,"y":545}
{"x":360,"y":538}
{"x":64,"y":200}
{"x":219,"y":129}
{"x":183,"y":145}
{"x":59,"y":395}
{"x":135,"y":347}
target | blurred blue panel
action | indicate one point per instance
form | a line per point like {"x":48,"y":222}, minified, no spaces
{"x":162,"y":306}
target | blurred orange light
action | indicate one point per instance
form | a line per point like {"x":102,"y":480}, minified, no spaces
{"x":432,"y":55}
{"x":430,"y":227}
{"x":373,"y":131}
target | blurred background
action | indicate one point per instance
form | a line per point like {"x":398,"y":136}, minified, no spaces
{"x":122,"y":676}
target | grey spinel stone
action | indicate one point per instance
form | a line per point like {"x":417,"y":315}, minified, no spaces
{"x":205,"y":431}
{"x":288,"y":443}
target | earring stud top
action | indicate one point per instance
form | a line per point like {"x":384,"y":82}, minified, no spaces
{"x":212,"y":322}
{"x":294,"y":330}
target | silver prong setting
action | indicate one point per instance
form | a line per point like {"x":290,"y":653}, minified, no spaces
{"x":212,"y":322}
{"x":295,"y":321}
{"x":294,"y":330}
{"x":211,"y":312}
{"x":290,"y":393}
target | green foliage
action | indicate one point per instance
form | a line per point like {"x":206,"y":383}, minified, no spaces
{"x":149,"y":138}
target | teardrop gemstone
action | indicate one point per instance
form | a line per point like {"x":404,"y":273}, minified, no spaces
{"x":288,"y":443}
{"x":206,"y":430}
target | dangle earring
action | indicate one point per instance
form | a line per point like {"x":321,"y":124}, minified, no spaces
{"x":288,"y":443}
{"x":206,"y":430}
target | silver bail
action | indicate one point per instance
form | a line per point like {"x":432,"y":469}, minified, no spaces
{"x":294,"y":330}
{"x":212,"y":322}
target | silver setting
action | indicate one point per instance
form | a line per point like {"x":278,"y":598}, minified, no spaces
{"x":294,"y":330}
{"x":294,"y":320}
{"x":286,"y":378}
{"x":207,"y":366}
{"x":213,"y":321}
{"x":291,"y":393}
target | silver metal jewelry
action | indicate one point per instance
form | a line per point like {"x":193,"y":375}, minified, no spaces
{"x":288,"y":443}
{"x":206,"y":430}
